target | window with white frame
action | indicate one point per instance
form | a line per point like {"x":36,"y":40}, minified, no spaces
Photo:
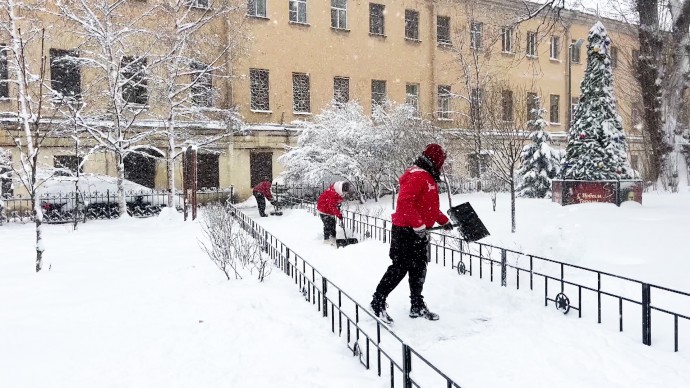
{"x":201,"y":84}
{"x":301,"y":99}
{"x":258,"y":89}
{"x":376,"y":19}
{"x":444,"y":102}
{"x":341,"y":89}
{"x":531,"y":43}
{"x":574,"y":52}
{"x":554,"y":112}
{"x":256,"y":8}
{"x":378,"y":93}
{"x":507,"y":34}
{"x":298,"y":11}
{"x":412,"y":97}
{"x":476,"y":29}
{"x":443,"y":30}
{"x":339,"y":14}
{"x":555,"y":49}
{"x":574,"y":102}
{"x":411,"y":24}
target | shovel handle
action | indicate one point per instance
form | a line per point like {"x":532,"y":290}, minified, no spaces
{"x":441,"y":227}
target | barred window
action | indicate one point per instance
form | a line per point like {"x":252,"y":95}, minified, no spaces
{"x":554,"y":112}
{"x":574,"y":52}
{"x":476,"y":101}
{"x":339,"y":14}
{"x":203,"y":4}
{"x":298,"y":11}
{"x":256,"y":8}
{"x":507,"y":105}
{"x":412,"y":97}
{"x":301,"y":102}
{"x":65,"y":74}
{"x":411,"y":24}
{"x":555,"y":50}
{"x":476,"y":30}
{"x":531,"y":43}
{"x":68,"y":162}
{"x":134,"y":80}
{"x":443,"y":30}
{"x":4,"y":74}
{"x":444,"y":102}
{"x":258,"y":88}
{"x":202,"y":84}
{"x":507,"y":34}
{"x":378,"y":92}
{"x":341,"y":89}
{"x":376,"y":19}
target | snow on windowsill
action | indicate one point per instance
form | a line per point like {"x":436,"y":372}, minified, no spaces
{"x":301,"y":113}
{"x":445,"y":45}
{"x":511,"y":53}
{"x":338,"y":29}
{"x":261,"y":111}
{"x":383,"y":36}
{"x":412,"y":40}
{"x":299,"y":24}
{"x":444,"y":119}
{"x":532,"y":56}
{"x":555,"y":60}
{"x":260,"y":17}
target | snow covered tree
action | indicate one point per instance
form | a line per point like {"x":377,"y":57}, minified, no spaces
{"x":596,"y":147}
{"x":540,"y":162}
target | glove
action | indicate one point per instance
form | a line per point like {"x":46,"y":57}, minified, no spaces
{"x":421,"y":231}
{"x":340,"y":217}
{"x":447,"y":226}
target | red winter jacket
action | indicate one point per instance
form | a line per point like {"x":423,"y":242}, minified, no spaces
{"x":265,"y":189}
{"x":329,"y":201}
{"x":418,"y":203}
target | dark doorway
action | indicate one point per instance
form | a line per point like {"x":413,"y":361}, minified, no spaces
{"x":208,"y":174}
{"x":260,"y":167}
{"x":141,"y":169}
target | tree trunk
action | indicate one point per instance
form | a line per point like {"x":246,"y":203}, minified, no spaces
{"x":512,"y":204}
{"x":170,"y":164}
{"x":121,"y":199}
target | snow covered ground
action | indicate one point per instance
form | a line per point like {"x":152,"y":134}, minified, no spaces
{"x":135,"y":303}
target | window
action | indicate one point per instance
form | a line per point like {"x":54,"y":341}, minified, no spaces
{"x":341,"y":89}
{"x":65,"y":74}
{"x":298,"y":11}
{"x":412,"y":97}
{"x":478,"y":164}
{"x":208,"y":171}
{"x":411,"y":24}
{"x":554,"y":112}
{"x":476,"y":99}
{"x":378,"y":93}
{"x":634,"y":162}
{"x":555,"y":50}
{"x":301,"y":101}
{"x":258,"y":89}
{"x":507,"y":34}
{"x":476,"y":29}
{"x":256,"y":8}
{"x":201,"y":84}
{"x":339,"y":14}
{"x":443,"y":30}
{"x":507,"y":105}
{"x":532,"y":105}
{"x":134,"y":80}
{"x":635,"y":59}
{"x":198,"y":4}
{"x":4,"y":74}
{"x":6,"y":188}
{"x":635,"y":116}
{"x":532,"y":44}
{"x":444,"y":102}
{"x":574,"y":52}
{"x":376,"y":19}
{"x":68,"y":162}
{"x":614,"y":57}
{"x":574,"y":101}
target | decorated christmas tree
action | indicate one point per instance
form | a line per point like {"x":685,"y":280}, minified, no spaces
{"x":540,"y":162}
{"x":596,"y":147}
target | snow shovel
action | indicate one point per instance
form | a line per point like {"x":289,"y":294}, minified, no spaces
{"x":276,"y":209}
{"x":343,"y":242}
{"x":468,"y":222}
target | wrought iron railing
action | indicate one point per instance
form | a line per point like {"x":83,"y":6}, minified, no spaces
{"x":372,"y":342}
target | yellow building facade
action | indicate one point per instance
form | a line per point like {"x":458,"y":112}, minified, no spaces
{"x":296,"y":56}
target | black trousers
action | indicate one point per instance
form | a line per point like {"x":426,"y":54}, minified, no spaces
{"x":328,"y":226}
{"x":409,"y":255}
{"x":261,"y":202}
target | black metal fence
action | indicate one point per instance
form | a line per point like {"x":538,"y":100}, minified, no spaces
{"x":617,"y":300}
{"x":372,"y":342}
{"x":64,"y":207}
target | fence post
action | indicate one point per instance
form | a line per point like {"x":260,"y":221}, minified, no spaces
{"x":504,"y":268}
{"x":407,"y":366}
{"x":384,"y":231}
{"x":646,"y":314}
{"x":324,"y":287}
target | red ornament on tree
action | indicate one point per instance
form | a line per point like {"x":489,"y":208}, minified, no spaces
{"x":582,"y":136}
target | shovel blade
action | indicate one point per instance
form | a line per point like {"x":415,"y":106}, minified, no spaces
{"x":343,"y":242}
{"x":469,"y":223}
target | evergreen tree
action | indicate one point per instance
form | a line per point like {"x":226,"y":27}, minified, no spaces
{"x":540,"y":162}
{"x":596,"y":147}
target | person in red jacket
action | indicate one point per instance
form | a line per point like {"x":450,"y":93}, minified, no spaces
{"x":417,"y":210}
{"x":261,"y":192}
{"x":328,"y":206}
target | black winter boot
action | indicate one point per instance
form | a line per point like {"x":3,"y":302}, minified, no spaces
{"x":419,"y":309}
{"x":378,"y":306}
